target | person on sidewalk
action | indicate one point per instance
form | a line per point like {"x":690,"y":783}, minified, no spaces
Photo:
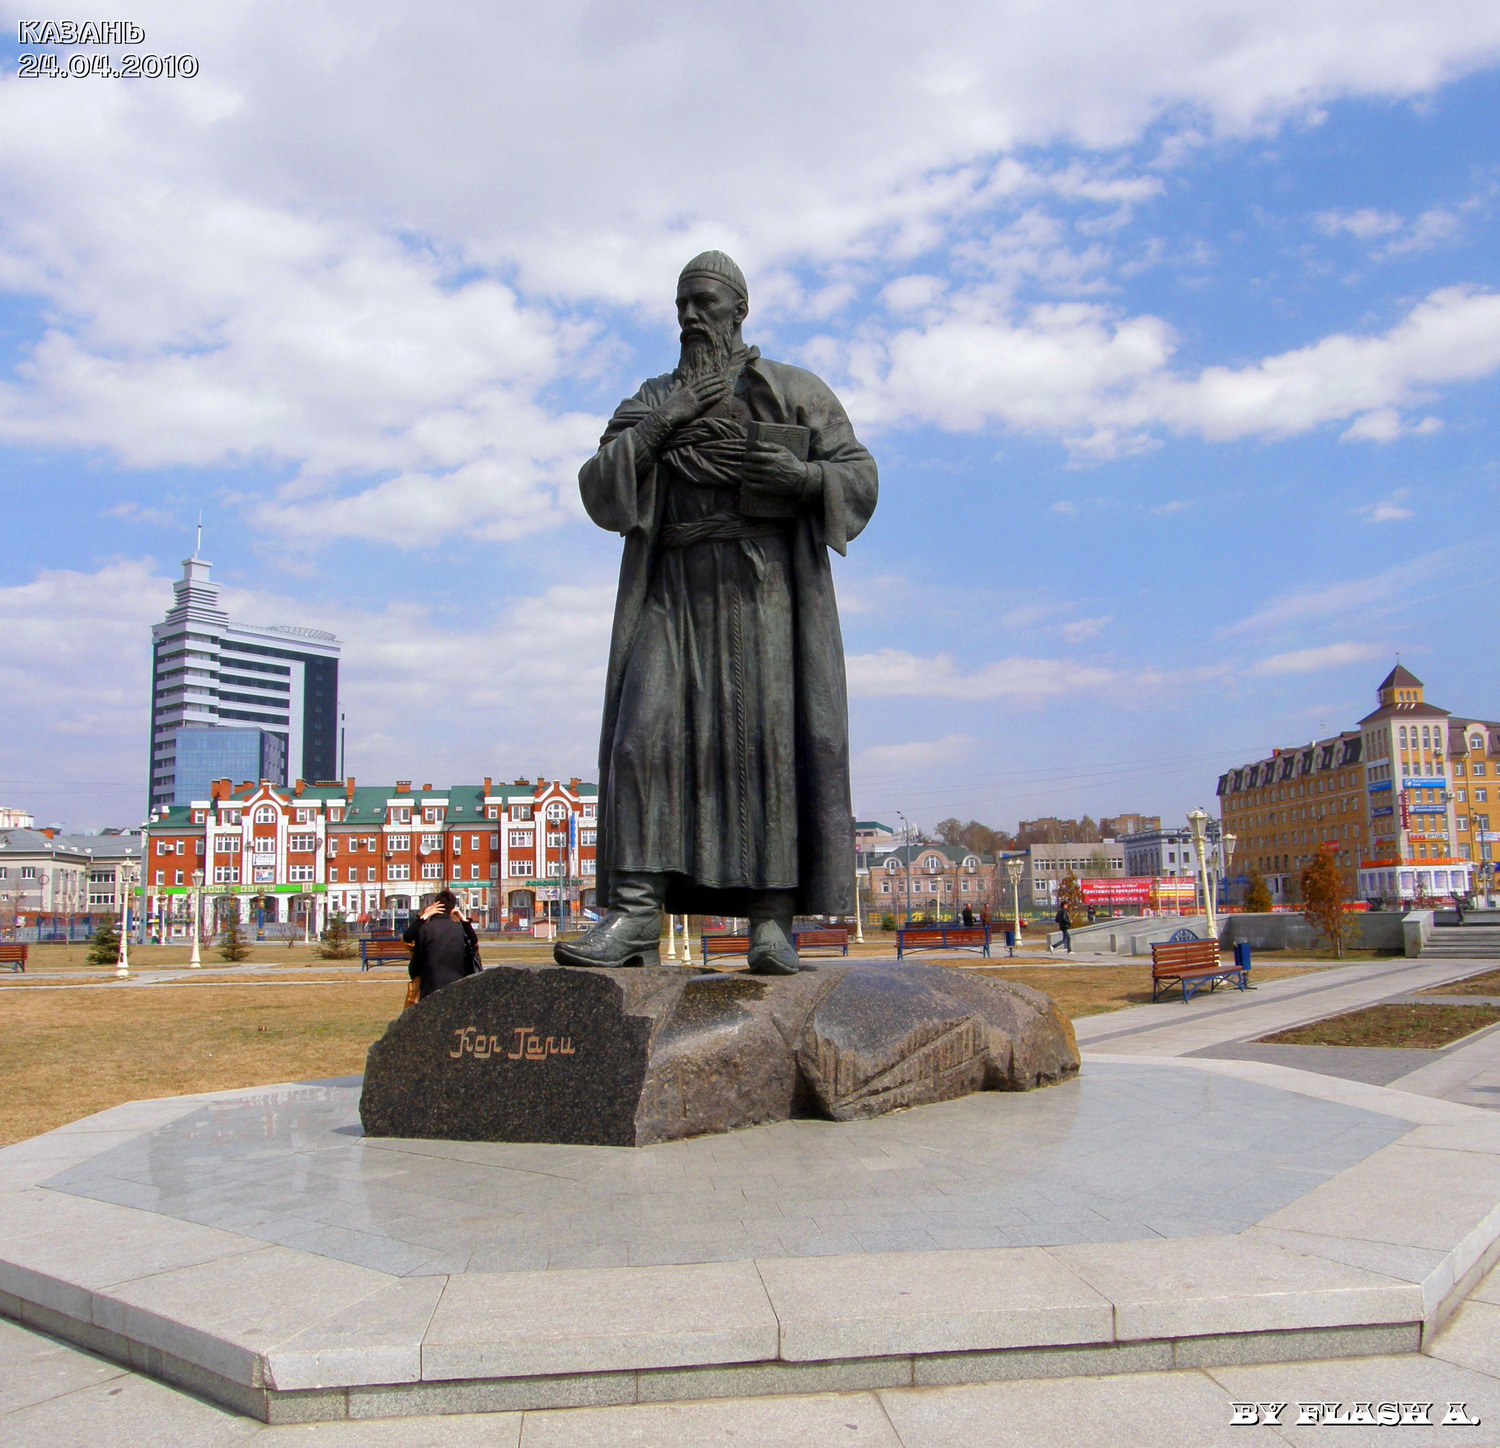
{"x":968,"y":918}
{"x":1065,"y":924}
{"x":444,"y":945}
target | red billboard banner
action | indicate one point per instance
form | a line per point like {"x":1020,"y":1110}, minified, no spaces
{"x":1131,"y":890}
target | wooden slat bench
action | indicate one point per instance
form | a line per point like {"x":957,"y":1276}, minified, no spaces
{"x":942,"y":937}
{"x":725,"y":945}
{"x":1192,"y":964}
{"x":383,"y":952}
{"x":14,"y":956}
{"x":833,"y":937}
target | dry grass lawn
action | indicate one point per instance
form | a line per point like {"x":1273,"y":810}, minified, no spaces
{"x":1487,"y":984}
{"x":66,"y":1053}
{"x":1416,"y":1026}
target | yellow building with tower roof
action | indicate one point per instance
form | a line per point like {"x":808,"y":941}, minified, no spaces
{"x":1403,"y":802}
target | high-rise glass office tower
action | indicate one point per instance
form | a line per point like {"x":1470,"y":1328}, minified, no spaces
{"x":271,"y":679}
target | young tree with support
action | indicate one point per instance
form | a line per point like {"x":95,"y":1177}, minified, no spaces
{"x":1257,"y":894}
{"x":1323,"y":899}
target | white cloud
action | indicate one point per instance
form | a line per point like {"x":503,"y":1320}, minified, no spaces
{"x":894,"y":674}
{"x":917,"y":754}
{"x":356,"y":262}
{"x":519,"y":689}
{"x":1366,"y":223}
{"x":76,"y":648}
{"x":1102,"y":380}
{"x":1083,"y":629}
{"x":1364,"y":598}
{"x":1066,"y":508}
{"x":1319,"y":660}
{"x":1385,"y":424}
{"x":1389,"y":510}
{"x":516,"y":692}
{"x":1398,"y":235}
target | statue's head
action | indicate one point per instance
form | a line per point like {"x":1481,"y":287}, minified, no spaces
{"x":712,"y":302}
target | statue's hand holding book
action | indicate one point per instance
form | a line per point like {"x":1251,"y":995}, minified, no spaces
{"x":775,"y":471}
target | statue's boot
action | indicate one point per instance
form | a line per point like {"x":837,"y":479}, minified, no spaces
{"x":630,"y":931}
{"x":771,"y":948}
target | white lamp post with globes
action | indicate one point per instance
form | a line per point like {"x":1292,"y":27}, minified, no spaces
{"x":1197,"y":820}
{"x":1226,"y":853}
{"x":1013,"y":868}
{"x":195,"y":960}
{"x":128,"y":870}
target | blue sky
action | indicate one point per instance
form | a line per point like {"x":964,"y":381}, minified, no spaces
{"x":1175,"y":331}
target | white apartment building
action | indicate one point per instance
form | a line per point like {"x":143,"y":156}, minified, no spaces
{"x":1048,"y":865}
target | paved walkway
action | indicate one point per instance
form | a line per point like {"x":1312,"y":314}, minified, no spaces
{"x":1172,"y":1028}
{"x":56,"y":1396}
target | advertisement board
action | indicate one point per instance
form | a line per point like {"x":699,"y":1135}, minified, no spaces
{"x":1176,"y":889}
{"x":1130,"y":890}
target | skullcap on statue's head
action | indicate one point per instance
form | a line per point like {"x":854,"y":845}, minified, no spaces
{"x":719,"y":266}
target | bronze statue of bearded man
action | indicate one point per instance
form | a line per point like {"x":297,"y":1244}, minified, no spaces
{"x":724,"y":753}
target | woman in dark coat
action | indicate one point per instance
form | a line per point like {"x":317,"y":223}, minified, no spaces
{"x":444,"y":945}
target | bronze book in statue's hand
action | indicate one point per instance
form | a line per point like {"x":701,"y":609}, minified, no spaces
{"x":759,"y":502}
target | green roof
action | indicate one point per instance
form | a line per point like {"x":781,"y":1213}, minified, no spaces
{"x":368,"y":802}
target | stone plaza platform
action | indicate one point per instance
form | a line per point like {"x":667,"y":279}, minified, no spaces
{"x":1153,"y":1213}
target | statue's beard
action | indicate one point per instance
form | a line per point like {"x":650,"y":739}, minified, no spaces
{"x":706,"y":351}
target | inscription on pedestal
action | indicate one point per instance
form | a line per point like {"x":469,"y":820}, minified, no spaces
{"x":627,"y":1057}
{"x":529,"y":1046}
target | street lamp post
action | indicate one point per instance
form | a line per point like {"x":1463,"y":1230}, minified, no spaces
{"x":1197,"y":820}
{"x":1226,"y":854}
{"x":906,"y":837}
{"x":195,"y":961}
{"x":127,"y":884}
{"x":1013,"y":868}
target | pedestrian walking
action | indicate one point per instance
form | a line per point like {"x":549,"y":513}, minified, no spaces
{"x":444,"y":945}
{"x":1458,"y":905}
{"x":968,"y":917}
{"x":1065,"y":924}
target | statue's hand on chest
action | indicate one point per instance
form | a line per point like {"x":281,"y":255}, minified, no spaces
{"x":732,"y":407}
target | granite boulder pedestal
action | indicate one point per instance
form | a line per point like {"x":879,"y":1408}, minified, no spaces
{"x":630,"y":1057}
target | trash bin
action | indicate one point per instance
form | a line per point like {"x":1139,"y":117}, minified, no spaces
{"x":1242,"y":955}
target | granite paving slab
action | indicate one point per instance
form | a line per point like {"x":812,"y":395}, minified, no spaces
{"x":253,"y":1248}
{"x":1133,"y":1151}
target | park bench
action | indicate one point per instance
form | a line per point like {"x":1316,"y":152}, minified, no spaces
{"x":14,"y":956}
{"x":942,"y":937}
{"x":833,"y":937}
{"x":383,"y":952}
{"x":1193,"y":964}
